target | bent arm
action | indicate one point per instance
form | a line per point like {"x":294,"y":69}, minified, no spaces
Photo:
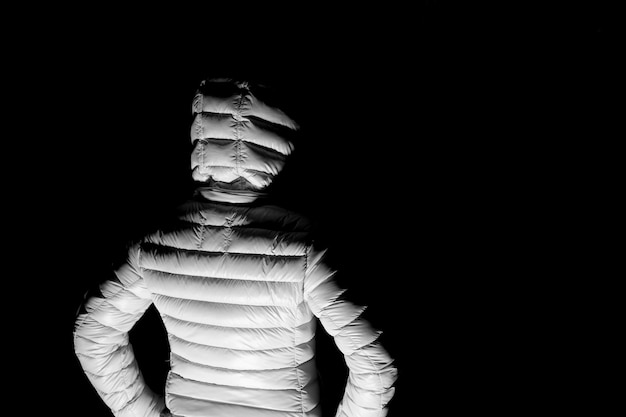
{"x":371,"y":371}
{"x":102,"y":345}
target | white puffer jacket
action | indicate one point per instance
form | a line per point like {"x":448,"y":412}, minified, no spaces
{"x":239,"y":286}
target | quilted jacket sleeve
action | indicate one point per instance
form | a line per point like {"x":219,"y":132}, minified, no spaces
{"x":371,"y":371}
{"x":102,"y":346}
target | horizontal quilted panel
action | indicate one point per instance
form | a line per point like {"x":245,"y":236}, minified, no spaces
{"x":284,"y":378}
{"x":242,"y":338}
{"x":243,"y":266}
{"x":242,"y":359}
{"x":221,"y":314}
{"x":289,"y":400}
{"x":226,"y":291}
{"x":223,"y":96}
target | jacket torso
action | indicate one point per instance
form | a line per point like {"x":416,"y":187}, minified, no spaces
{"x":228,"y":282}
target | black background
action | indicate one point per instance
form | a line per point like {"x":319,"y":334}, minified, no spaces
{"x":436,"y":152}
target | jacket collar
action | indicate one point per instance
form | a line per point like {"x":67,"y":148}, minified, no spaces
{"x":228,"y":196}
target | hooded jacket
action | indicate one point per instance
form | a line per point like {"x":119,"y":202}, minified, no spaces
{"x":239,"y":285}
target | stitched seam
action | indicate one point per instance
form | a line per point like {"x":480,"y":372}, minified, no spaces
{"x":168,"y":249}
{"x":247,"y":304}
{"x":227,"y":385}
{"x":250,"y":170}
{"x":208,"y":277}
{"x":253,"y":142}
{"x":187,"y":224}
{"x":237,"y":116}
{"x":218,"y":326}
{"x":295,"y":363}
{"x":294,"y":342}
{"x":201,"y":151}
{"x":228,"y":232}
{"x":306,"y":264}
{"x":202,"y":236}
{"x":274,"y":245}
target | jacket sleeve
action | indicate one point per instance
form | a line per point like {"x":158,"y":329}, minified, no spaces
{"x":371,"y":372}
{"x":101,"y":342}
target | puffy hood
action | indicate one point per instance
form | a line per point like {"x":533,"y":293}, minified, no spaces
{"x":241,"y":140}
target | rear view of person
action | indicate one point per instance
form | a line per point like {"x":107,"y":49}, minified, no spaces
{"x":239,"y":285}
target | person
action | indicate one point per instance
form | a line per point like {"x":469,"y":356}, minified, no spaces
{"x":240,"y":285}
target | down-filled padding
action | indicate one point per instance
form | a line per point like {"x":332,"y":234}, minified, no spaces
{"x":236,"y":135}
{"x":240,"y":288}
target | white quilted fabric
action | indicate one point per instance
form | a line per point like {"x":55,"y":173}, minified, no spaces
{"x":240,"y":288}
